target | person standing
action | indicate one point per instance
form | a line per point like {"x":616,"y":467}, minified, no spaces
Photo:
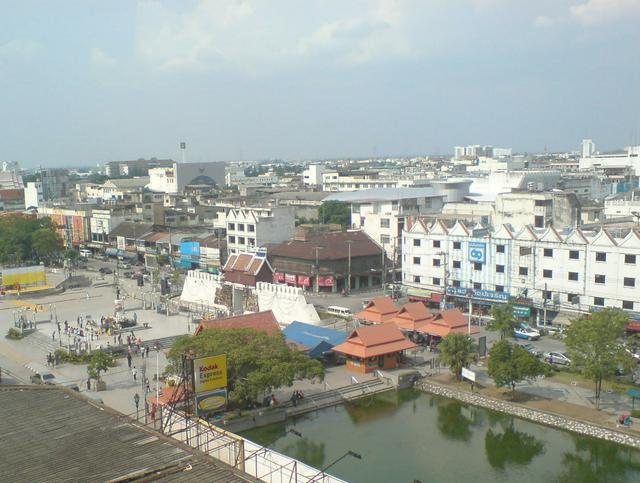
{"x":129,"y":359}
{"x":134,"y":371}
{"x":53,"y":336}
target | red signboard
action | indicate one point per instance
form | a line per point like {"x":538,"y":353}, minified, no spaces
{"x":289,"y":278}
{"x":304,"y":281}
{"x":278,"y":277}
{"x":326,"y":281}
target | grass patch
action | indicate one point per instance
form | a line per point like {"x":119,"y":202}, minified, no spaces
{"x":565,"y":376}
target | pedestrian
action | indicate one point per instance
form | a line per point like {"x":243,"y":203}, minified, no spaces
{"x":129,"y":340}
{"x":146,"y":350}
{"x":53,"y":336}
{"x":135,"y":318}
{"x":129,"y":360}
{"x":120,"y":339}
{"x":147,"y":383}
{"x":134,"y":371}
{"x":89,"y":384}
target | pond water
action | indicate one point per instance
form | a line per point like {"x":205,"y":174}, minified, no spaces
{"x":410,"y":435}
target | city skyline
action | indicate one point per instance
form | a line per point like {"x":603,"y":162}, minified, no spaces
{"x":88,"y":83}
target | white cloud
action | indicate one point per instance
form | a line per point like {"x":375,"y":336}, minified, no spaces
{"x":543,"y":21}
{"x":593,"y":12}
{"x":99,"y":58}
{"x":18,"y":49}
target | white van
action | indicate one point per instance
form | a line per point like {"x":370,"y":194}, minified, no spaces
{"x":85,"y":253}
{"x":339,"y":311}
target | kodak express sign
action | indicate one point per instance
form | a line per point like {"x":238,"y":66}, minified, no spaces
{"x":210,"y":373}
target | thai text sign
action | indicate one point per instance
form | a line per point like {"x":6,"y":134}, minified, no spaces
{"x":521,"y":311}
{"x":209,"y":373}
{"x":479,"y":294}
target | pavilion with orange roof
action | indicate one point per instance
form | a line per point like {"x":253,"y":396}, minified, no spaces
{"x":377,"y":311}
{"x":446,"y":322}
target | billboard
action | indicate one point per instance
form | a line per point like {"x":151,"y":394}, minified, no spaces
{"x":23,"y":276}
{"x":209,"y":373}
{"x":477,"y":252}
{"x":211,"y":401}
{"x":190,"y":249}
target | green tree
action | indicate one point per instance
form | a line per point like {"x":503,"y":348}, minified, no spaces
{"x":46,"y":243}
{"x":335,"y":212}
{"x":503,"y":320}
{"x":595,"y":345}
{"x":511,"y":447}
{"x":256,"y":363}
{"x":18,"y":235}
{"x":509,"y":364}
{"x":457,"y":351}
{"x":100,"y":362}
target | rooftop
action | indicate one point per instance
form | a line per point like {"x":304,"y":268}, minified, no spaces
{"x":261,"y":321}
{"x":333,"y":246}
{"x":381,"y":194}
{"x":53,"y":434}
{"x":374,"y":341}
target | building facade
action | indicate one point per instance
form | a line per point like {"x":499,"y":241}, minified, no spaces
{"x":252,"y":228}
{"x":546,"y":270}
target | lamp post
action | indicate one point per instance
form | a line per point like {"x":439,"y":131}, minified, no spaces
{"x":156,"y":346}
{"x":470,"y":294}
{"x":136,"y":400}
{"x":323,"y":470}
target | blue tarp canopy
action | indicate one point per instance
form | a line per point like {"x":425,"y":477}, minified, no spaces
{"x":318,"y":339}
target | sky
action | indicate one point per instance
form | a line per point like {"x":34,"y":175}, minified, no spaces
{"x":84,"y":82}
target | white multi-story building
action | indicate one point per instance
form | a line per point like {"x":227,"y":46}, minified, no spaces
{"x":312,"y":176}
{"x":542,"y":269}
{"x":33,"y":195}
{"x":174,"y":179}
{"x":251,"y":228}
{"x":520,"y":208}
{"x":623,"y":205}
{"x":588,"y":148}
{"x":629,"y":159}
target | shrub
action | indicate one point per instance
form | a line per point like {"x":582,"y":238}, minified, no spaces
{"x":73,"y":358}
{"x":14,"y":333}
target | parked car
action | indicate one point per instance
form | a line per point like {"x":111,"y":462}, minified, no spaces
{"x":105,"y":270}
{"x":557,"y":330}
{"x":557,"y":358}
{"x":128,"y":274}
{"x":526,"y":333}
{"x":532,"y":349}
{"x":42,"y":378}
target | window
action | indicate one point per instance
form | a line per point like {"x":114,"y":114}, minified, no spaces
{"x":385,"y":239}
{"x":630,"y":259}
{"x":232,"y":226}
{"x":499,"y":288}
{"x":547,"y":294}
{"x":627,"y":304}
{"x":251,"y":241}
{"x":477,"y":266}
{"x":500,"y":268}
{"x":572,"y":298}
{"x":601,"y":257}
{"x":416,"y":260}
{"x":547,"y":273}
{"x":416,"y":242}
{"x":457,"y":245}
{"x":539,"y":221}
{"x":456,"y":264}
{"x":241,"y":240}
{"x":416,"y":279}
{"x":455,"y":283}
{"x":499,"y":248}
{"x":599,"y":278}
{"x":629,"y":282}
{"x":574,"y":255}
{"x":573,"y":276}
{"x":477,"y":286}
{"x":523,"y":271}
{"x":384,"y":223}
{"x":251,"y":228}
{"x":436,"y":243}
{"x":599,"y":301}
{"x":436,"y":281}
{"x":240,"y":226}
{"x":525,"y":251}
{"x":232,"y":239}
{"x":436,"y":262}
{"x":548,"y":252}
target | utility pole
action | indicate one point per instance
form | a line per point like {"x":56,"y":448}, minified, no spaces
{"x":348,"y":287}
{"x":317,"y":269}
{"x":544,"y":306}
{"x":470,"y":307}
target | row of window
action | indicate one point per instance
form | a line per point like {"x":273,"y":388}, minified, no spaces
{"x":241,"y":240}
{"x":547,"y":252}
{"x":241,"y":227}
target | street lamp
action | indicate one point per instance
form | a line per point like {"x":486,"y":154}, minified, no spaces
{"x":156,"y":346}
{"x":136,"y":400}
{"x":323,"y":470}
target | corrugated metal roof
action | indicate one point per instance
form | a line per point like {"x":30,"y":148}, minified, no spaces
{"x":52,"y":434}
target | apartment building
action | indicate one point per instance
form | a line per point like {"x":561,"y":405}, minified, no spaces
{"x":544,"y":270}
{"x":255,"y":227}
{"x":520,"y":208}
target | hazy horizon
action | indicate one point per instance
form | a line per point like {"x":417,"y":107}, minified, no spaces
{"x":89,"y":82}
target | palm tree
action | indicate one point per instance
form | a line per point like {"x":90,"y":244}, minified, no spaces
{"x":503,"y":320}
{"x":457,"y":351}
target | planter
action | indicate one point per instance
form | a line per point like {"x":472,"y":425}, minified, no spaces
{"x":101,"y":386}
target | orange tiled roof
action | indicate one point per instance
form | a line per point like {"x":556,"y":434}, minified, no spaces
{"x":261,"y":321}
{"x":412,"y":316}
{"x":446,"y":322}
{"x":374,"y":341}
{"x":378,"y":311}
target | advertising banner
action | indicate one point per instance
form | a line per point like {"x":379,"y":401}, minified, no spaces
{"x":211,"y":401}
{"x":477,"y":252}
{"x":290,"y":278}
{"x":521,"y":311}
{"x":326,"y":281}
{"x":304,"y":281}
{"x":209,"y":373}
{"x":278,"y":277}
{"x":120,"y":243}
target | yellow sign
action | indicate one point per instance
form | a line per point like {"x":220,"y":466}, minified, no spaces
{"x":210,"y":373}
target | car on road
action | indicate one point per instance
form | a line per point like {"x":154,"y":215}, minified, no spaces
{"x":43,"y":378}
{"x":557,"y":358}
{"x":105,"y":270}
{"x":526,"y":333}
{"x":532,"y":349}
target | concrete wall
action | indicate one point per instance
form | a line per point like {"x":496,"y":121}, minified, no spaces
{"x":287,"y":303}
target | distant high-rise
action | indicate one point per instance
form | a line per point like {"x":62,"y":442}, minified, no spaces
{"x":588,"y":148}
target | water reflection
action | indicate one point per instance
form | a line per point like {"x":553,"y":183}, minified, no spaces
{"x":597,"y":460}
{"x":454,"y":420}
{"x":380,"y":406}
{"x":511,"y":447}
{"x":306,"y":451}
